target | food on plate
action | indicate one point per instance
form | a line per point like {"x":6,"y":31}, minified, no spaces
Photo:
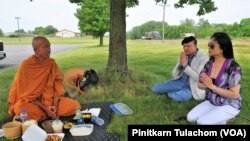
{"x":53,"y":138}
{"x":86,"y":117}
{"x":68,"y":125}
{"x":47,"y":126}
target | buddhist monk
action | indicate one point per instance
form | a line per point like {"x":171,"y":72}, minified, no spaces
{"x":38,"y":88}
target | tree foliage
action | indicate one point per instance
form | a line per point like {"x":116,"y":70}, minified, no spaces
{"x":129,"y":3}
{"x":48,"y":30}
{"x":245,"y":24}
{"x":93,"y":17}
{"x":205,"y":6}
{"x":203,"y":29}
{"x":20,"y":31}
{"x":39,"y":31}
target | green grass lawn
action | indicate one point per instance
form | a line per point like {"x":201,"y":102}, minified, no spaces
{"x":149,"y":62}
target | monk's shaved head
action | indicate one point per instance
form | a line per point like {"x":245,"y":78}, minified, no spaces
{"x":37,"y":41}
{"x":41,"y":47}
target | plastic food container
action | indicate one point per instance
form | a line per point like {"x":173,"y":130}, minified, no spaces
{"x":82,"y":130}
{"x":35,"y":133}
{"x":121,"y":109}
{"x":1,"y":133}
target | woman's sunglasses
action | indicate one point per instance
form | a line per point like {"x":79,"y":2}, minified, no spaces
{"x":211,"y":46}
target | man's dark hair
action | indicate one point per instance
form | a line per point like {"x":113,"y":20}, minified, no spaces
{"x":189,"y":39}
{"x":225,"y":43}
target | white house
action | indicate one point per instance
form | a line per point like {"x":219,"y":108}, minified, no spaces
{"x":67,"y":33}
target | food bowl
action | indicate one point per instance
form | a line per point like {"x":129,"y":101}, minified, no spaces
{"x":47,"y":126}
{"x":12,"y":130}
{"x":67,"y":125}
{"x":55,"y":137}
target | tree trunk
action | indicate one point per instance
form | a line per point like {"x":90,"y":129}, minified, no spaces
{"x":101,"y":40}
{"x":117,"y":61}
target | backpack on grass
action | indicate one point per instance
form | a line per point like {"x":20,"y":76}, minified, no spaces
{"x":89,"y":78}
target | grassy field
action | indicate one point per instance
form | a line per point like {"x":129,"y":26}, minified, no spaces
{"x":149,"y":62}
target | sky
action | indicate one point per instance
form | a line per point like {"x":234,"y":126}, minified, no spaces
{"x":60,"y":13}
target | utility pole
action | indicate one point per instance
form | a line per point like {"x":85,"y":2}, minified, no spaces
{"x":163,"y":19}
{"x":163,"y":22}
{"x":17,"y":18}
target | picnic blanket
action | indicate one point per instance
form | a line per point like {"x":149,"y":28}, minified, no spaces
{"x":99,"y":133}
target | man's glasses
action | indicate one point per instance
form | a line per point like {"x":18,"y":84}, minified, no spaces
{"x":211,"y":46}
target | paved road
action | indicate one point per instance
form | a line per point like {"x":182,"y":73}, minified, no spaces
{"x":17,"y":53}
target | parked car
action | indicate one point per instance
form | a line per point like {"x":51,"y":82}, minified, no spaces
{"x":153,"y":35}
{"x":2,"y":53}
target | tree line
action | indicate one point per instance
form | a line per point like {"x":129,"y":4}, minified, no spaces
{"x":48,"y":31}
{"x":203,"y":29}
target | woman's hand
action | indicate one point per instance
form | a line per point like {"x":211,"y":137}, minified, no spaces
{"x":206,"y":81}
{"x":232,"y":92}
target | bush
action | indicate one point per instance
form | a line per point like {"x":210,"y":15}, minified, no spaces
{"x":13,"y":36}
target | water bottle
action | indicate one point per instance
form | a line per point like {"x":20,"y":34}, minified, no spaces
{"x":23,"y":115}
{"x":97,"y":120}
{"x":79,"y":116}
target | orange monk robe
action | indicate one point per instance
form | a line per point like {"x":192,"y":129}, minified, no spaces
{"x":38,"y":81}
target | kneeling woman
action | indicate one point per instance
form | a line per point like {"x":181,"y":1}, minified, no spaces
{"x":221,"y":78}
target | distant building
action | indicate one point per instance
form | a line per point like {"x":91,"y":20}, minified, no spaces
{"x":67,"y":34}
{"x":187,"y":34}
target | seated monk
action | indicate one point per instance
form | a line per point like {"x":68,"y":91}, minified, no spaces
{"x":38,"y":88}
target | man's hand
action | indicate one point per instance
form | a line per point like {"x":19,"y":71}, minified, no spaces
{"x":183,"y":59}
{"x":51,"y":111}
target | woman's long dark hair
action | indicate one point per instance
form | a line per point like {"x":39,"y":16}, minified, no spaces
{"x":225,"y":44}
